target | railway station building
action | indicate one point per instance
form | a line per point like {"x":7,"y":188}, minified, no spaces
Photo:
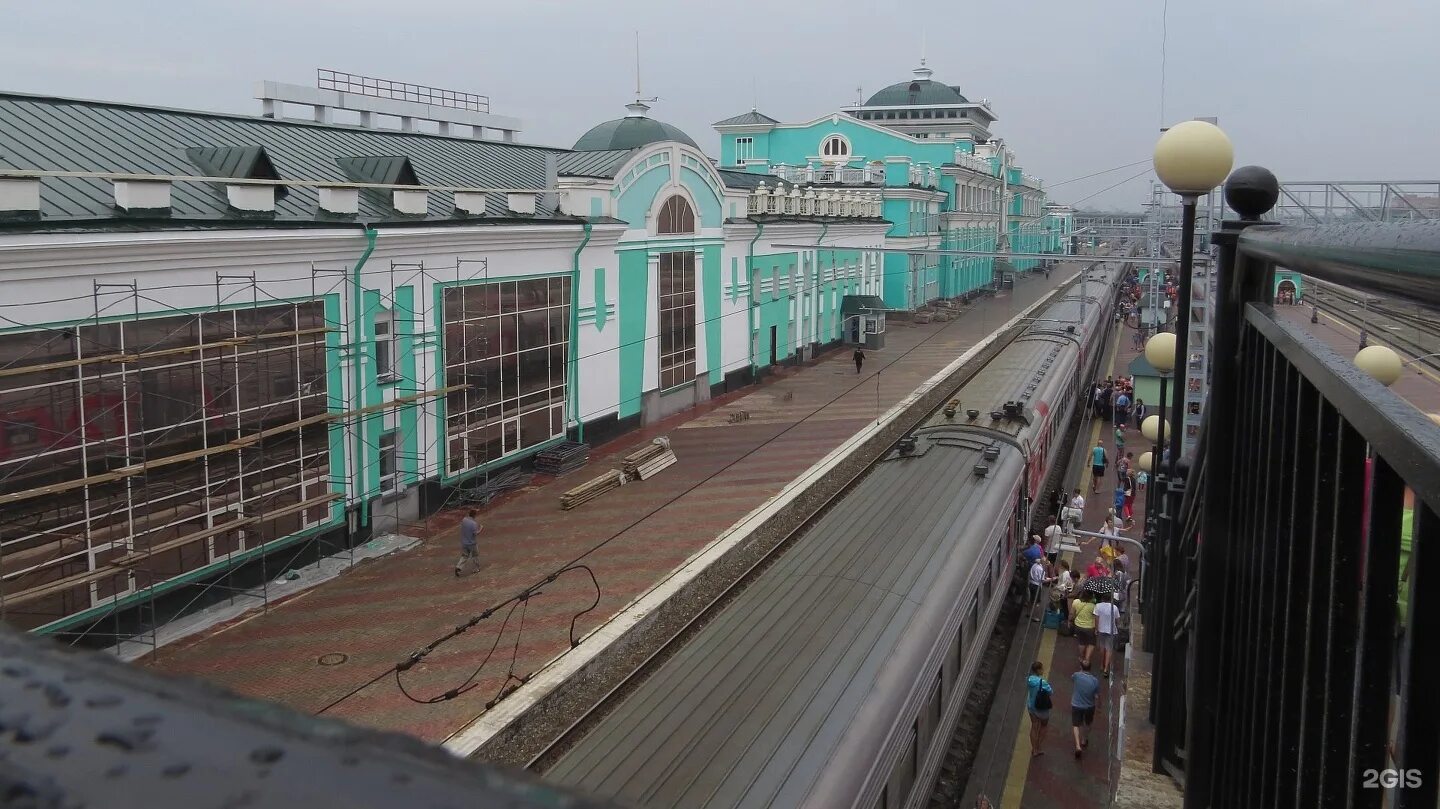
{"x":946,"y":180}
{"x":224,"y":336}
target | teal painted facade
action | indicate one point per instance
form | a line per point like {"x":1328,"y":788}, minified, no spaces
{"x":921,"y":180}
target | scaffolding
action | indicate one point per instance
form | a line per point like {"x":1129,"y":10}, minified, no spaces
{"x":145,"y":449}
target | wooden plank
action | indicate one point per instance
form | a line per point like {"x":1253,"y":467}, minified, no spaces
{"x":136,"y":469}
{"x":122,"y":563}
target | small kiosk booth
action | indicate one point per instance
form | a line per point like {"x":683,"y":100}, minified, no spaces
{"x":863,"y":320}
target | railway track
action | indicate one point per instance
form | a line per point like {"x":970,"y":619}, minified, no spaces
{"x":547,"y":756}
{"x":1413,"y":332}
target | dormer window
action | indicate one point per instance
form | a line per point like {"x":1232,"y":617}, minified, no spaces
{"x":835,"y":149}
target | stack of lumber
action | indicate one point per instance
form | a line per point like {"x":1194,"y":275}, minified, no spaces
{"x":592,"y":489}
{"x":562,"y":458}
{"x":647,"y":462}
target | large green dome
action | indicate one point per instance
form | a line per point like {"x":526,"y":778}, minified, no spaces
{"x":631,"y":132}
{"x":917,"y":91}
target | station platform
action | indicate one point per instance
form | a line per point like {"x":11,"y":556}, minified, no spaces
{"x":1418,"y":385}
{"x":329,"y":649}
{"x":1005,"y":773}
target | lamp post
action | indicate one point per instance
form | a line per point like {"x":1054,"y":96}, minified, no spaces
{"x":1160,"y":353}
{"x":1191,"y":158}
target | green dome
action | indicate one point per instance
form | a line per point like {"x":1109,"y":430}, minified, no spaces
{"x":631,"y":132}
{"x":919,"y":90}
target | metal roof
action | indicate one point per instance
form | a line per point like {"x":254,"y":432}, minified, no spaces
{"x":630,"y":132}
{"x":53,"y":134}
{"x":745,"y":179}
{"x":855,"y":304}
{"x":755,"y":710}
{"x":747,"y":118}
{"x":604,"y":163}
{"x":917,"y":91}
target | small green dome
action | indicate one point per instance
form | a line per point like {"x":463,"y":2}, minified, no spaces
{"x":631,"y":132}
{"x":919,"y":90}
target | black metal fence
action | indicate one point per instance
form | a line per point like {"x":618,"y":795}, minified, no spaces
{"x":1301,"y":579}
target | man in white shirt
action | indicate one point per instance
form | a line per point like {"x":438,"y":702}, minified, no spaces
{"x":1077,"y":510}
{"x":1038,"y":579}
{"x":1107,"y":620}
{"x":1053,"y":532}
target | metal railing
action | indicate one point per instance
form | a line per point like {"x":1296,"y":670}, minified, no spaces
{"x":1287,"y":671}
{"x":399,"y":90}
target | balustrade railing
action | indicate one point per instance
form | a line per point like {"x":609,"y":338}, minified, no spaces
{"x":1292,"y":589}
{"x":779,"y":201}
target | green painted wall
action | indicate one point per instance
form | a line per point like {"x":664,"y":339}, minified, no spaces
{"x":639,"y":197}
{"x":633,"y":312}
{"x":709,"y":204}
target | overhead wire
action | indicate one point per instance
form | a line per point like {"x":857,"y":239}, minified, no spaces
{"x":454,"y":692}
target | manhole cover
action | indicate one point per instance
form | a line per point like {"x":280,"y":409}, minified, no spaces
{"x":333,"y":659}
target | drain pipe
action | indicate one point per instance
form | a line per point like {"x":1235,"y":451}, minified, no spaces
{"x":575,"y":334}
{"x":357,"y":333}
{"x":750,"y":276}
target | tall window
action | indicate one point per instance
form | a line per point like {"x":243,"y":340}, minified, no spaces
{"x":385,"y":346}
{"x":677,"y":318}
{"x":389,"y":463}
{"x":835,"y":149}
{"x":508,"y":343}
{"x":744,"y":149}
{"x":189,"y":400}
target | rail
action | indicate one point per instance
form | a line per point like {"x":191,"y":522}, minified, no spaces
{"x":1290,"y":608}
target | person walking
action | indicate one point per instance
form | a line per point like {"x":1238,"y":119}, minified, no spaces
{"x":1082,"y":705}
{"x":1038,"y":702}
{"x":859,"y":357}
{"x":1082,"y":618}
{"x":1139,"y":411}
{"x":1107,"y":622}
{"x":1097,"y":466}
{"x":1129,"y":512}
{"x":469,"y":547}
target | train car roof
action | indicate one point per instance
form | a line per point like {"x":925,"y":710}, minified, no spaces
{"x":751,"y":710}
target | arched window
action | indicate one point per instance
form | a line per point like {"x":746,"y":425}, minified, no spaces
{"x":676,"y":216}
{"x":835,"y":149}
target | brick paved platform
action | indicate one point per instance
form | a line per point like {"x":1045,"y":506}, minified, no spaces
{"x":632,"y":537}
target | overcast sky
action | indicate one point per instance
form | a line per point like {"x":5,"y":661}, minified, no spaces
{"x":1313,"y":89}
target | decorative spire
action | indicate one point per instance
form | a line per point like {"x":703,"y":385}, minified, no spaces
{"x":638,"y":107}
{"x":922,"y":72}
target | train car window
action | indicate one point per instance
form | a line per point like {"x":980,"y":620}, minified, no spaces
{"x":902,"y":778}
{"x":960,"y":636}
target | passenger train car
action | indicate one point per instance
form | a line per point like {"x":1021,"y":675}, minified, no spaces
{"x":837,"y":677}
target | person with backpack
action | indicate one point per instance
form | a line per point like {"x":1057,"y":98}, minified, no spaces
{"x":1097,"y":466}
{"x":1038,"y":702}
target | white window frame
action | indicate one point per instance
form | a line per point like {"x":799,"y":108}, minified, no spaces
{"x":386,"y":346}
{"x":389,"y":483}
{"x":840,"y":151}
{"x":744,"y":149}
